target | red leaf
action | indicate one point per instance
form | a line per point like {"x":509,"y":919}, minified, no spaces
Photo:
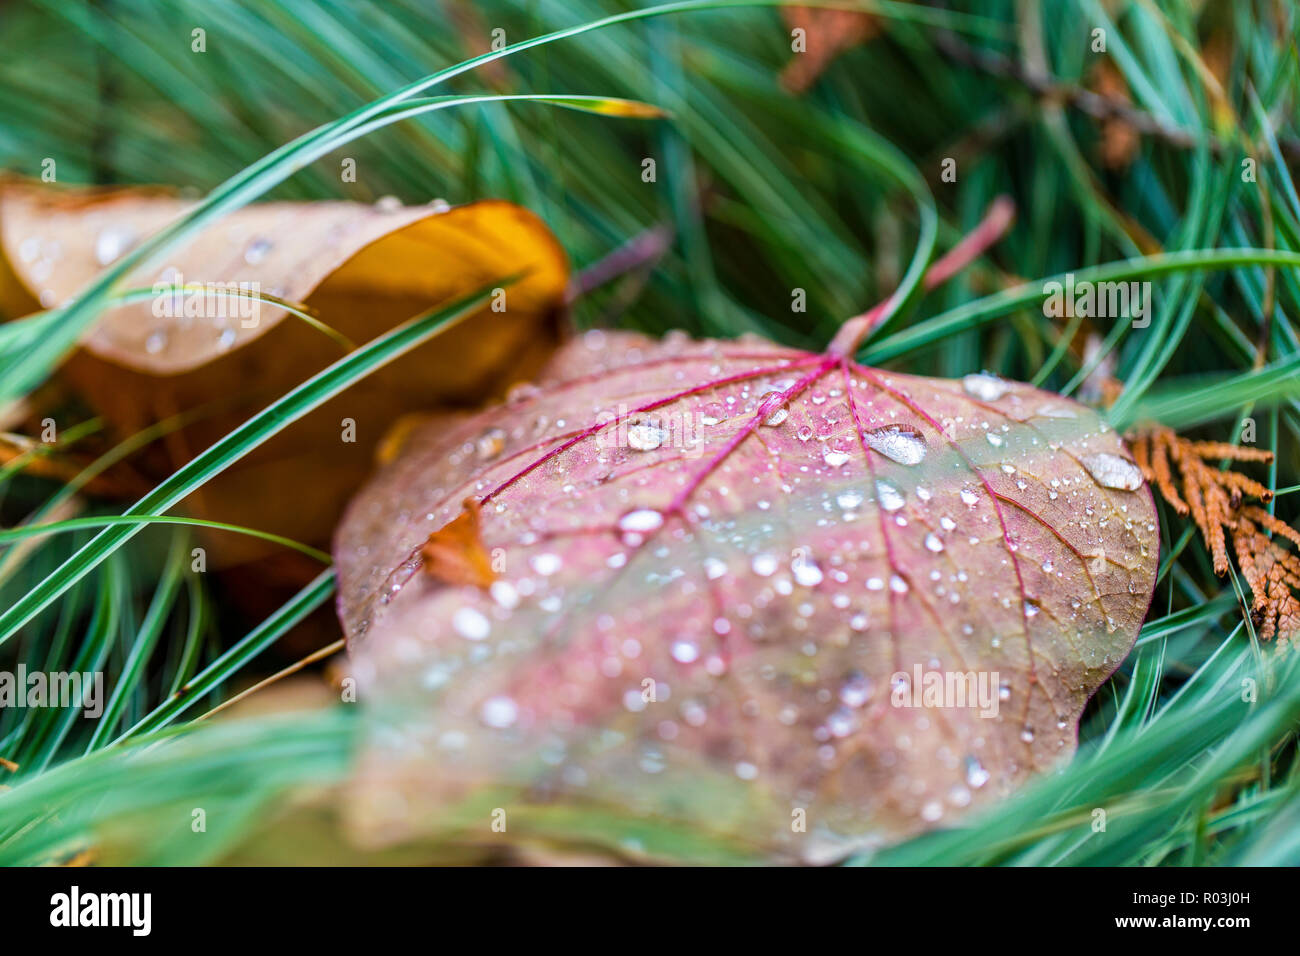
{"x":730,"y":571}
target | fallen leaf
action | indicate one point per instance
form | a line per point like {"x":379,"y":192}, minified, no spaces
{"x":361,"y":268}
{"x":826,"y":34}
{"x":731,"y":574}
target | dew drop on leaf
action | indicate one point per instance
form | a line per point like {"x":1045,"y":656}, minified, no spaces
{"x":645,"y":436}
{"x":903,"y":445}
{"x":1112,"y":471}
{"x":986,"y":387}
{"x":890,"y":498}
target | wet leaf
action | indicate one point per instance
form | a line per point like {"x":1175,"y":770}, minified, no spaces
{"x":731,"y":574}
{"x":362,"y":269}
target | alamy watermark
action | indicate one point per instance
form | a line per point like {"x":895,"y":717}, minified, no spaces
{"x":947,"y":690}
{"x":1102,"y":300}
{"x":208,"y":300}
{"x":23,"y":688}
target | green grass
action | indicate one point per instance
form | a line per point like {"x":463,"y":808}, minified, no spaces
{"x":837,"y":192}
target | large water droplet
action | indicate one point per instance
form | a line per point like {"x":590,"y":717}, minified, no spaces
{"x":1112,"y":471}
{"x":645,"y":436}
{"x":898,"y":443}
{"x":986,"y":387}
{"x":776,"y":416}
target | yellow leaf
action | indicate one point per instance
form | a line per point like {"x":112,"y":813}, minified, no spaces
{"x":361,"y":269}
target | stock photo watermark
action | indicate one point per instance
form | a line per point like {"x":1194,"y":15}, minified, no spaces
{"x":63,"y":689}
{"x":947,"y":690}
{"x":208,"y":300}
{"x":1099,"y":300}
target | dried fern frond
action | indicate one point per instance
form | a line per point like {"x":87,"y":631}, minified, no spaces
{"x":1180,"y":470}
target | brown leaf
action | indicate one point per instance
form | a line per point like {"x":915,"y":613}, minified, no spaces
{"x":732,"y":572}
{"x":362,"y":269}
{"x":827,"y":34}
{"x":454,"y":554}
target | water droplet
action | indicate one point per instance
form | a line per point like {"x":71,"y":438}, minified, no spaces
{"x":1112,"y":471}
{"x":522,"y":392}
{"x":645,"y":436}
{"x":804,"y":432}
{"x":856,"y":691}
{"x":546,"y":564}
{"x":933,"y":543}
{"x":112,"y":242}
{"x":994,"y":440}
{"x":976,"y":775}
{"x":505,"y":594}
{"x":898,"y":443}
{"x":499,"y":712}
{"x":685,"y":652}
{"x":156,"y":342}
{"x":712,"y":413}
{"x":807,"y":573}
{"x":835,"y":458}
{"x":890,"y":498}
{"x":470,"y":624}
{"x":714,"y":568}
{"x":764,"y":565}
{"x":1057,"y":411}
{"x":388,"y":204}
{"x":986,"y":387}
{"x":641,"y":520}
{"x":257,"y":251}
{"x":490,"y":444}
{"x":969,"y":496}
{"x":848,"y":500}
{"x":947,"y":523}
{"x":841,"y":722}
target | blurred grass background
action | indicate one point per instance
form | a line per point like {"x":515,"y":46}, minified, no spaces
{"x":1135,"y":152}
